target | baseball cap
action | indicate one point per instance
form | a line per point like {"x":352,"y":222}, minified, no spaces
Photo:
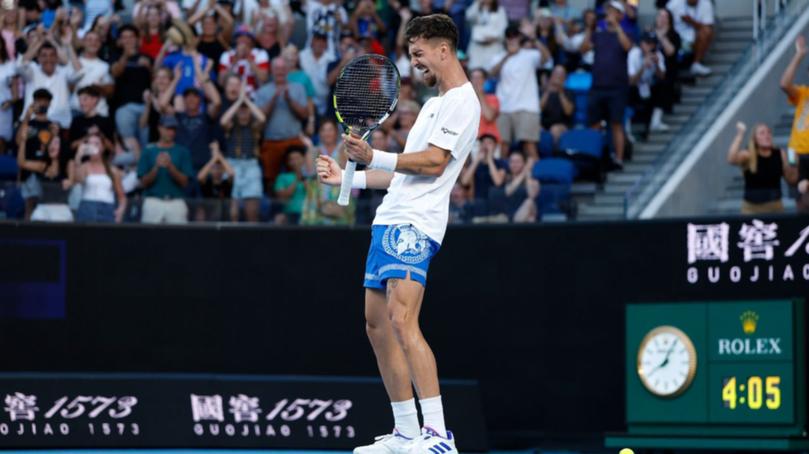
{"x":617,"y":5}
{"x":243,"y":30}
{"x":168,"y":121}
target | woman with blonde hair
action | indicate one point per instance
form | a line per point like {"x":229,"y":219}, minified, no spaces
{"x":763,"y":166}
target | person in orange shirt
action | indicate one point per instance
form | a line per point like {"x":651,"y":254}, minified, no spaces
{"x":798,"y":96}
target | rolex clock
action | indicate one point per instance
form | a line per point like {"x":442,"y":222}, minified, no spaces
{"x":667,"y":361}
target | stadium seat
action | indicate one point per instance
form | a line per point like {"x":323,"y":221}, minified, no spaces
{"x":584,"y":142}
{"x":554,"y":199}
{"x":545,"y":144}
{"x":579,"y":83}
{"x":8,"y":167}
{"x":555,"y":170}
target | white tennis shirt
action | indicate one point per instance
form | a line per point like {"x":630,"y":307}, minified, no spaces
{"x":449,"y":122}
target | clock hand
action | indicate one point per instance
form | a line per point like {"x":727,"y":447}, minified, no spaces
{"x":665,"y":360}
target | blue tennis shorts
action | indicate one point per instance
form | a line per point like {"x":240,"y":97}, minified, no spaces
{"x":396,"y":250}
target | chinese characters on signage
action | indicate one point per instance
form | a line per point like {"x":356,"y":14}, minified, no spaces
{"x":756,"y":244}
{"x":96,"y":415}
{"x":316,"y":417}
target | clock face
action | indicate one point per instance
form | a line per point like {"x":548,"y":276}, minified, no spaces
{"x":667,"y":361}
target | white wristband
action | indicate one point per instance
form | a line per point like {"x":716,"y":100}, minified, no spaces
{"x":359,"y":181}
{"x":383,"y":160}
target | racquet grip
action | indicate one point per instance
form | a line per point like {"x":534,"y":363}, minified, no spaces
{"x":345,"y":185}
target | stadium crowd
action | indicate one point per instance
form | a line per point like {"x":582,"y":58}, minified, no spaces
{"x":170,"y":111}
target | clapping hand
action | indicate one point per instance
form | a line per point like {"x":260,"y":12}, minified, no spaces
{"x":163,"y":159}
{"x":800,"y":46}
{"x":741,"y":127}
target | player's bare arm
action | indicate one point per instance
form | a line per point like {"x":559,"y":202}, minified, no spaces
{"x":330,"y":173}
{"x":429,"y":162}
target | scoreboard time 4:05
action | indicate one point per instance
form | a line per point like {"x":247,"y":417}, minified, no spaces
{"x":723,"y":369}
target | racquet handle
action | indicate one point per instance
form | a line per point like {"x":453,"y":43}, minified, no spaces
{"x":345,"y":186}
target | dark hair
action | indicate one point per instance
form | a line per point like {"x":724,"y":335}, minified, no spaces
{"x":3,"y":54}
{"x":91,"y":90}
{"x":130,"y":28}
{"x":46,"y":45}
{"x":42,"y":93}
{"x":432,"y":26}
{"x":481,"y":70}
{"x":670,"y":16}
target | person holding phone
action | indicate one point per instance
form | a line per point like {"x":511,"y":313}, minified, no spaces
{"x":101,"y":183}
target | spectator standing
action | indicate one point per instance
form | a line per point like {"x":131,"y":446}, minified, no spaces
{"x":249,"y":62}
{"x":271,"y":38}
{"x":9,"y":94}
{"x":489,"y":104}
{"x":101,"y":183}
{"x":327,"y":17}
{"x":35,"y":132}
{"x":217,"y":28}
{"x":518,"y":90}
{"x":164,"y":169}
{"x":194,"y":68}
{"x":290,"y":187}
{"x":572,"y":38}
{"x":284,"y":105}
{"x":693,"y":20}
{"x":10,"y":30}
{"x":557,"y":104}
{"x":365,"y":21}
{"x":242,"y":124}
{"x":51,"y":172}
{"x":132,"y":71}
{"x":563,"y":10}
{"x":488,"y":21}
{"x":763,"y":165}
{"x":216,"y":180}
{"x":94,"y":71}
{"x":798,"y":96}
{"x":608,"y":95}
{"x":647,"y":71}
{"x":670,"y":43}
{"x":88,"y":121}
{"x":47,"y":73}
{"x":196,"y":117}
{"x":152,"y":27}
{"x":297,"y":75}
{"x":314,"y":61}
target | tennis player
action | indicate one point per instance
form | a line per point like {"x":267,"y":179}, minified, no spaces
{"x":407,"y":232}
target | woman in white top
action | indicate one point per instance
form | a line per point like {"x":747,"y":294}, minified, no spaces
{"x":489,"y":22}
{"x":101,"y":184}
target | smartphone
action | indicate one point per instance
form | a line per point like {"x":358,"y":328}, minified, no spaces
{"x":791,"y":158}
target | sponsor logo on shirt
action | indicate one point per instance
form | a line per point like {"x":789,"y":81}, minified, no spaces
{"x":448,"y":131}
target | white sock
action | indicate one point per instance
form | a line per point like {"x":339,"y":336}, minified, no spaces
{"x":433,"y":413}
{"x":406,"y":418}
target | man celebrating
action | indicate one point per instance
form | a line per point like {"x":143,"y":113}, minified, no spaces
{"x":408,"y":230}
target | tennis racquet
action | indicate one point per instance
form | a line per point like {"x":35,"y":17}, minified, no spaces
{"x":366,"y":93}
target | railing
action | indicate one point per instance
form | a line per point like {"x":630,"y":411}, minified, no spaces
{"x":768,"y":30}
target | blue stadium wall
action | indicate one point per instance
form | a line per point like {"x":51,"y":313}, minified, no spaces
{"x":535,"y":314}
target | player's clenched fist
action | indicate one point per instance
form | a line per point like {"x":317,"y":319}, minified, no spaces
{"x":328,"y":171}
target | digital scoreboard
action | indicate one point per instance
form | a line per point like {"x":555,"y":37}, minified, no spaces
{"x":716,"y":375}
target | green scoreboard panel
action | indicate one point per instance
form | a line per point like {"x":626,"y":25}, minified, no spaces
{"x":716,"y":369}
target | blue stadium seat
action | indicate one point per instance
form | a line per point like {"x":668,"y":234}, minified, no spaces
{"x":578,"y":84}
{"x":8,"y":167}
{"x":545,"y":144}
{"x":555,"y":170}
{"x":582,"y":142}
{"x":552,"y":198}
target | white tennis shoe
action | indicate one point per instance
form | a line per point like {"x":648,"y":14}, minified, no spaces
{"x":392,"y":443}
{"x":430,"y":442}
